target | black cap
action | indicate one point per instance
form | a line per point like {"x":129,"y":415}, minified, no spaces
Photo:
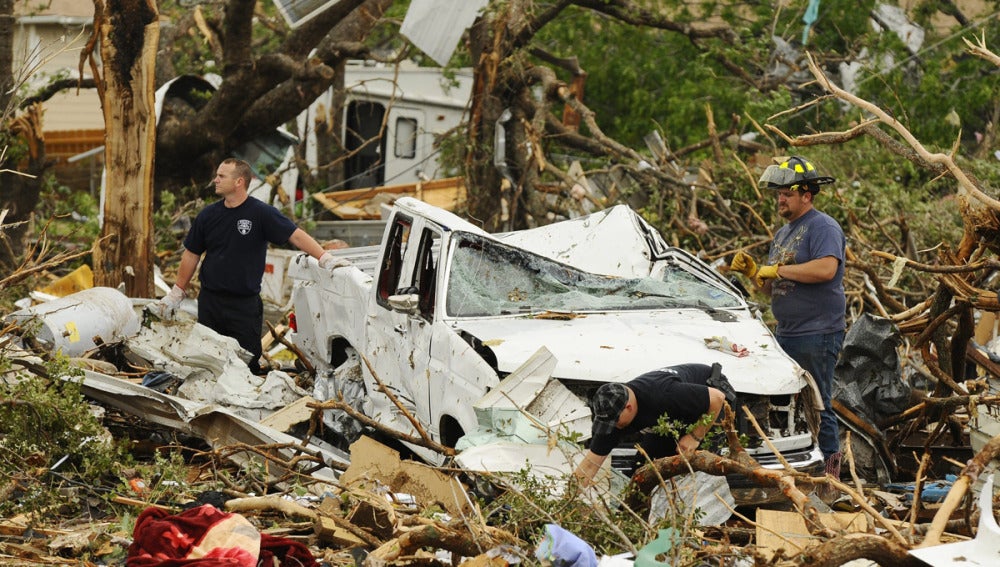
{"x":606,"y":406}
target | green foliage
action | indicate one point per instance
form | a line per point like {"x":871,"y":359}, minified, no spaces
{"x":162,"y":480}
{"x":528,"y":502}
{"x":942,"y":94}
{"x":15,"y":149}
{"x":639,"y":79}
{"x":72,"y":215}
{"x":676,"y":429}
{"x":50,"y":439}
{"x":190,"y":53}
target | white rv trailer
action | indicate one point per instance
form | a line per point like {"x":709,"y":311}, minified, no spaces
{"x":415,"y":105}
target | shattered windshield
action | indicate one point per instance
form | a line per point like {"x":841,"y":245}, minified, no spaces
{"x":489,"y":278}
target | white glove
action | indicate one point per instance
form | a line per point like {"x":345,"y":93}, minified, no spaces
{"x":167,"y":307}
{"x":330,"y":262}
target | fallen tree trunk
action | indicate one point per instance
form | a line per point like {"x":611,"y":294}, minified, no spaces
{"x":840,"y":550}
{"x":648,"y":477}
{"x":467,"y":542}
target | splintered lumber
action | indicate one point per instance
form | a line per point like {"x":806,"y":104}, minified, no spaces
{"x":364,"y":204}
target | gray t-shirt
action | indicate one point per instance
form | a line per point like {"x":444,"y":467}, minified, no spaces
{"x":801,"y":308}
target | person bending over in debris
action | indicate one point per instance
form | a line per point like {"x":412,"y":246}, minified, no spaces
{"x":683,"y":393}
{"x":804,"y":276}
{"x":233,"y":234}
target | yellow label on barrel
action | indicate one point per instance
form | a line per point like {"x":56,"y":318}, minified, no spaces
{"x":72,"y":333}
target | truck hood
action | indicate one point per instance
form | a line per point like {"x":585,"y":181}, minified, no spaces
{"x":616,"y":347}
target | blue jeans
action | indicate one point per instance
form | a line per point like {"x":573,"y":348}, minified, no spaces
{"x":818,"y":354}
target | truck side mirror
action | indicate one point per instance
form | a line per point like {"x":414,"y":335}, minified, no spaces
{"x":405,"y":303}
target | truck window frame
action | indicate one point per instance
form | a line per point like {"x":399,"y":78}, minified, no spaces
{"x":391,"y":267}
{"x":425,"y":271}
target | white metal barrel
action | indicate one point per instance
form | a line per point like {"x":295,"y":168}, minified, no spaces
{"x":71,"y":323}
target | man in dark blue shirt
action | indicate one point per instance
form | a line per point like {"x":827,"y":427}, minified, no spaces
{"x":233,"y":235}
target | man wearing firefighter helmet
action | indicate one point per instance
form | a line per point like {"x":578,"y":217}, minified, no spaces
{"x":804,"y":275}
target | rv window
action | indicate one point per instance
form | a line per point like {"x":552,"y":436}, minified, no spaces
{"x":406,"y":138}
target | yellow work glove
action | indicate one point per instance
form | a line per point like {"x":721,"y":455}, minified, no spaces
{"x":766,"y":273}
{"x":743,"y":264}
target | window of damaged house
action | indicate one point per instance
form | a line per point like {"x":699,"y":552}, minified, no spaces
{"x":391,"y":270}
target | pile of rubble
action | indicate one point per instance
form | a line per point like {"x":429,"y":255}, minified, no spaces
{"x":259,"y":478}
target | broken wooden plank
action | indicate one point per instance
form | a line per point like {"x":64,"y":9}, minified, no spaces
{"x":777,"y":529}
{"x":353,"y":204}
{"x":290,"y":415}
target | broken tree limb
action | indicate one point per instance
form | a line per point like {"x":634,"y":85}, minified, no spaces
{"x":940,"y":375}
{"x":937,"y":268}
{"x":976,"y":355}
{"x":918,"y":487}
{"x":928,"y":332}
{"x":417,"y":426}
{"x":269,"y":503}
{"x":280,"y":337}
{"x":35,"y":254}
{"x":369,"y":422}
{"x":289,"y":508}
{"x":885,"y":118}
{"x":728,"y":424}
{"x":941,"y":405}
{"x":860,"y":499}
{"x":880,"y":291}
{"x":862,"y":425}
{"x":858,"y":485}
{"x":840,"y":550}
{"x":913,"y":311}
{"x":957,"y":492}
{"x":289,"y":468}
{"x":646,"y":478}
{"x":980,"y":50}
{"x":767,"y":441}
{"x":465,"y":543}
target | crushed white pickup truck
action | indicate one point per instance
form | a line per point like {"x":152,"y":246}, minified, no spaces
{"x":441,"y":312}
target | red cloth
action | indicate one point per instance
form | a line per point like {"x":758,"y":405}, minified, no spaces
{"x":208,"y":537}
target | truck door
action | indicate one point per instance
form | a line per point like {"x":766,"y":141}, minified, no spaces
{"x":400,"y":342}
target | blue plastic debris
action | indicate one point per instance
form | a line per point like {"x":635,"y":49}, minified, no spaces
{"x":564,"y":549}
{"x":930,"y":492}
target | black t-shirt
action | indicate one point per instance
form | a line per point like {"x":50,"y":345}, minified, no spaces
{"x":677,"y":391}
{"x":234,"y":242}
